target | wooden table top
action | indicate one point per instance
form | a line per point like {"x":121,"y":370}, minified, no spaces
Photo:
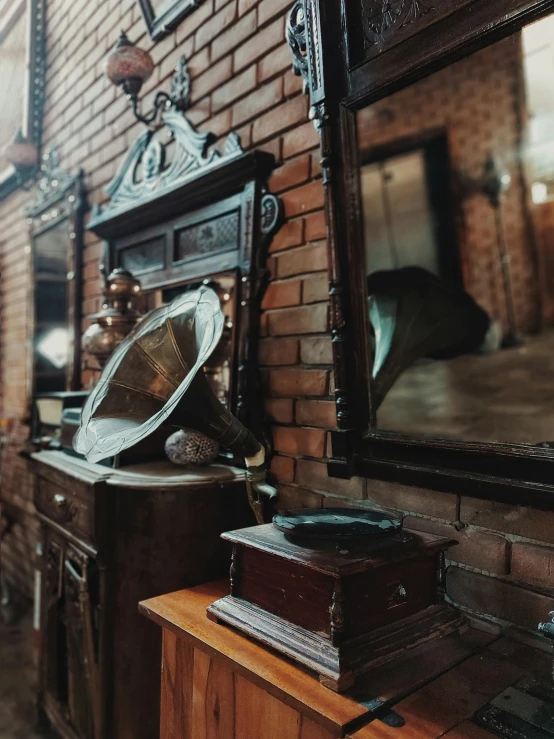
{"x":435,"y":688}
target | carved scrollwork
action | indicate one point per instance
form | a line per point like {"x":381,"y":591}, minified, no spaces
{"x":271,"y":210}
{"x":303,"y":33}
{"x":180,"y":85}
{"x":233,"y":572}
{"x":232,"y":145}
{"x":153,"y":160}
{"x":53,"y":183}
{"x":144,"y":171}
{"x":337,"y":613}
{"x":381,"y":18}
{"x":297,"y":40}
{"x":441,"y":577}
{"x":53,"y":562}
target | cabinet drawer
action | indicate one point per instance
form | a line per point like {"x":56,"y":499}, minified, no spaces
{"x":66,"y":508}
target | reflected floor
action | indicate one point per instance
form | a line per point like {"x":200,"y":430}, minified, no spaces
{"x":506,"y":396}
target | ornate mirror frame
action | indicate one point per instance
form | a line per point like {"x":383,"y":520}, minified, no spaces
{"x":182,"y":211}
{"x":352,"y":54}
{"x":59,"y":202}
{"x":33,"y":14}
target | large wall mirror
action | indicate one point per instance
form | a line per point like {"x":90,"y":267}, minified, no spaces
{"x":441,"y":218}
{"x":56,"y":227}
{"x":457,"y":197}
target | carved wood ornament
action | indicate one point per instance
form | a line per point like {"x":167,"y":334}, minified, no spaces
{"x":149,"y":155}
{"x":351,"y":55}
{"x":382,"y":17}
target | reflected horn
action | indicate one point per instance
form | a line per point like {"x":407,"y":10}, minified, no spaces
{"x":416,"y":314}
{"x":155,"y":377}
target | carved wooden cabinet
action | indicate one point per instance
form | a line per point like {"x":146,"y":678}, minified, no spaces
{"x":111,"y":538}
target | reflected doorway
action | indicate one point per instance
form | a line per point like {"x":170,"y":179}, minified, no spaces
{"x":407,"y":208}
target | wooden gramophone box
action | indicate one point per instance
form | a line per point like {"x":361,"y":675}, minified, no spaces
{"x":338,"y":608}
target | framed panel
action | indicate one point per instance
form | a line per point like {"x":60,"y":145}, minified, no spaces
{"x":343,"y":77}
{"x":161,"y":16}
{"x":22,"y":67}
{"x":147,"y":256}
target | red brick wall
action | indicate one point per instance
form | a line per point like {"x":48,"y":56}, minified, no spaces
{"x":478,"y":103}
{"x":15,"y":475}
{"x":241,"y":79}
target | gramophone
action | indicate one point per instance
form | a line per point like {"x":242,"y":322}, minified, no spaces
{"x":341,"y":591}
{"x":155,"y":377}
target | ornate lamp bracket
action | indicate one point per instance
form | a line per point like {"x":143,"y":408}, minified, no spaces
{"x":178,"y":97}
{"x":128,"y":66}
{"x":298,"y":42}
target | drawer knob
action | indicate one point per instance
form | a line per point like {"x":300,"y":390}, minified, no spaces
{"x":65,"y":511}
{"x":60,"y":501}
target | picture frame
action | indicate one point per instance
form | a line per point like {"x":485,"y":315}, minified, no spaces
{"x":22,"y":66}
{"x":161,"y":16}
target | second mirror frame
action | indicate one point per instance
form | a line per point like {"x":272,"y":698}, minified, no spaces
{"x":349,"y":62}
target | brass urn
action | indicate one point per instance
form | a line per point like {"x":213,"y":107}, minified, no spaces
{"x":116,"y":319}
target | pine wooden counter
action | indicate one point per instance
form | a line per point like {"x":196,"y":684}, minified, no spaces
{"x":217,"y":684}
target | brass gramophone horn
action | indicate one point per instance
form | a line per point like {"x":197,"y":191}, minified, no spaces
{"x":155,"y":377}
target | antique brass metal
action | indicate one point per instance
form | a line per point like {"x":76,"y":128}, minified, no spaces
{"x":155,"y":377}
{"x":111,"y":325}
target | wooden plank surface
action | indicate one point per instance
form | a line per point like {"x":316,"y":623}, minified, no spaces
{"x":184,"y":614}
{"x":532,"y":660}
{"x":445,"y":702}
{"x":401,"y":676}
{"x":469,"y":730}
{"x":259,"y":714}
{"x":176,"y":693}
{"x":213,"y":698}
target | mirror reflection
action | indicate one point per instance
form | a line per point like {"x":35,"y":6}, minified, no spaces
{"x":457,"y":189}
{"x":52,"y":260}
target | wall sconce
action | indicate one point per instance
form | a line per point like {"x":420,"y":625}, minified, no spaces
{"x":494,"y":184}
{"x":22,"y":154}
{"x":128,"y":67}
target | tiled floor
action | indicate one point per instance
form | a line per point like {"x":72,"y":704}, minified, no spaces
{"x":506,"y":396}
{"x":17,"y":681}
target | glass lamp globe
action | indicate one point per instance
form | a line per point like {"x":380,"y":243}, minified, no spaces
{"x":21,"y":152}
{"x":128,"y":66}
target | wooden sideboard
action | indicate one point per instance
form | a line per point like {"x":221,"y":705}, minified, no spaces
{"x":111,"y":538}
{"x":218,"y":684}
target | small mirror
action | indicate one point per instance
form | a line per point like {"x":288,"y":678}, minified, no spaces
{"x":52,"y":335}
{"x":457,"y":196}
{"x":56,"y":226}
